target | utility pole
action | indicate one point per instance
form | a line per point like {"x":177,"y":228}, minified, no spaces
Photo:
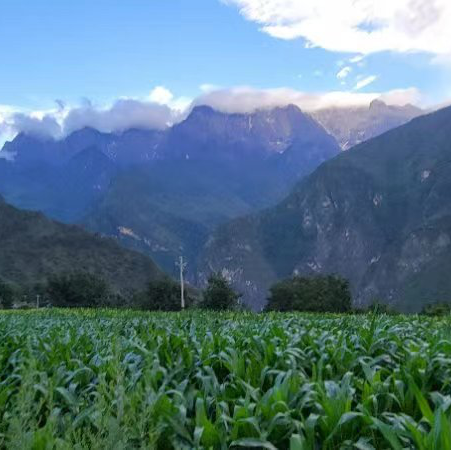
{"x":182,"y":266}
{"x":38,"y":297}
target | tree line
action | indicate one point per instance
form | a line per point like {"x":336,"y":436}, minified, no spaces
{"x":86,"y":290}
{"x":316,"y":294}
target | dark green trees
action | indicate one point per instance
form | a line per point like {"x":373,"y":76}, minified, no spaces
{"x":160,"y":295}
{"x":218,"y":294}
{"x":81,"y":290}
{"x":6,"y":295}
{"x":164,"y":295}
{"x":314,"y":294}
{"x":437,"y":309}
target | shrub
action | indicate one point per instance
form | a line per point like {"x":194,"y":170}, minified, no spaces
{"x":218,"y":295}
{"x":80,"y":289}
{"x":160,"y":295}
{"x":312,"y":294}
{"x":437,"y":309}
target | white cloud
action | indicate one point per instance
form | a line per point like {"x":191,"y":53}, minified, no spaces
{"x":5,"y":110}
{"x":207,"y":87}
{"x":161,"y":95}
{"x":356,"y":59}
{"x":36,"y":123}
{"x":180,"y":105}
{"x":344,"y":73}
{"x":122,"y":115}
{"x":402,"y":97}
{"x":365,"y":82}
{"x":356,"y":26}
{"x":247,"y":99}
{"x":4,"y":132}
{"x":39,"y":123}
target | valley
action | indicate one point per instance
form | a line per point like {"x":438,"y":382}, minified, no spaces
{"x":225,"y":225}
{"x":257,"y":197}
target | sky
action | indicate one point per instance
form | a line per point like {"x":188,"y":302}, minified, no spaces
{"x":113,"y":64}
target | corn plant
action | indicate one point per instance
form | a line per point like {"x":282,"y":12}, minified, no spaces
{"x":110,"y":379}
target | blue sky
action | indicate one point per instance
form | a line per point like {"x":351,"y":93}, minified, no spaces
{"x":105,"y":49}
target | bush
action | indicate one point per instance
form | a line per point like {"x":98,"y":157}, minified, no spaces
{"x":218,"y":295}
{"x":160,"y":295}
{"x":6,"y":295}
{"x":312,"y":294}
{"x":437,"y":309}
{"x":81,"y":290}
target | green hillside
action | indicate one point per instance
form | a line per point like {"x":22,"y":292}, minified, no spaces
{"x":32,"y":247}
{"x":169,"y":209}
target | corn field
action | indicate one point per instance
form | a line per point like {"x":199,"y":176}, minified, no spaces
{"x":102,"y":379}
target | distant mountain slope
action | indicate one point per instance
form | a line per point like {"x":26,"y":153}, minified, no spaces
{"x":166,"y":210}
{"x":352,"y":126}
{"x":211,"y":168}
{"x":63,"y":192}
{"x":33,"y":247}
{"x":380,"y":215}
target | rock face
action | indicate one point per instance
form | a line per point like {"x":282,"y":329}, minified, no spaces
{"x":379,"y":215}
{"x":352,"y":126}
{"x":208,"y":134}
{"x":163,"y":192}
{"x":34,"y":247}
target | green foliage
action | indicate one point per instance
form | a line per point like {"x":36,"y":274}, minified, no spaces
{"x":218,"y":295}
{"x":79,"y":289}
{"x":99,"y":379}
{"x":160,"y":295}
{"x":313,"y":294}
{"x":6,"y":295}
{"x":437,"y":309}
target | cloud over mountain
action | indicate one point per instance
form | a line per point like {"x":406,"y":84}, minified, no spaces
{"x":122,"y":115}
{"x":44,"y":126}
{"x":161,"y":109}
{"x":247,"y":99}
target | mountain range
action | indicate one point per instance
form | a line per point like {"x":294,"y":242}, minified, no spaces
{"x":378,"y":214}
{"x":259,"y":196}
{"x":163,"y":192}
